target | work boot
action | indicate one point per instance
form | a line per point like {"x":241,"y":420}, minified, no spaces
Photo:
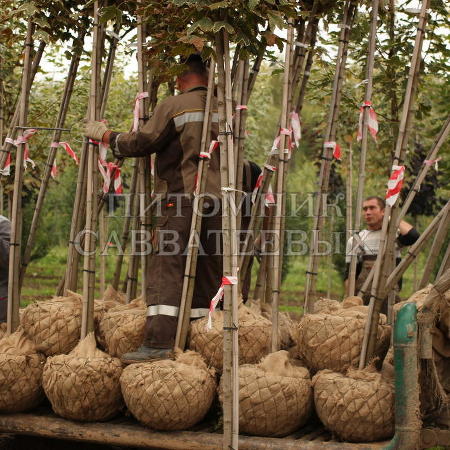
{"x":146,"y":354}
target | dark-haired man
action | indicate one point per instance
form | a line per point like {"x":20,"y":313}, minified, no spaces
{"x":173,"y":134}
{"x":369,"y":241}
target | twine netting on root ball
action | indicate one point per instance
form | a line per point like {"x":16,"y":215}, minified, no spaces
{"x":54,"y":325}
{"x":333,"y":341}
{"x":111,"y":299}
{"x":254,"y":337}
{"x":20,"y":374}
{"x":357,"y":407}
{"x":84,"y":385}
{"x":275,"y":396}
{"x":169,"y":395}
{"x":121,"y":329}
{"x":285,"y":323}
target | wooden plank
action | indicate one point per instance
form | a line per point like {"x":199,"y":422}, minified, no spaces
{"x":127,"y":432}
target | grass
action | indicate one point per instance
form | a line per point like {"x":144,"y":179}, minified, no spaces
{"x":43,"y":276}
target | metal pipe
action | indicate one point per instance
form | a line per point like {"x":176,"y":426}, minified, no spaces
{"x":407,"y":412}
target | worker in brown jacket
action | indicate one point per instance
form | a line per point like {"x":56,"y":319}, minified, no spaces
{"x":173,"y":134}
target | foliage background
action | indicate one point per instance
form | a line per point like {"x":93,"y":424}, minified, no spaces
{"x":394,"y":47}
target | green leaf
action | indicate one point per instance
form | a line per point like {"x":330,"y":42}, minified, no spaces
{"x":110,"y":13}
{"x":205,"y":24}
{"x":252,"y":4}
{"x":222,"y":24}
{"x":217,"y":5}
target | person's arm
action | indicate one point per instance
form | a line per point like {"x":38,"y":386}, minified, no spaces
{"x":408,"y":235}
{"x":5,"y":231}
{"x":151,"y":138}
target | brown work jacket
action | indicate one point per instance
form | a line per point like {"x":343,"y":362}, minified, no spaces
{"x":174,"y":133}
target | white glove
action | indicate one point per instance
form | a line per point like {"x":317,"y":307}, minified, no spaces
{"x":95,"y":130}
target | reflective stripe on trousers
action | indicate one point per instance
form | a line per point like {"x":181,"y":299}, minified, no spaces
{"x":167,"y":310}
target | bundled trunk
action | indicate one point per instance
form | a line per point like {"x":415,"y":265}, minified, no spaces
{"x":185,"y":387}
{"x":93,"y":393}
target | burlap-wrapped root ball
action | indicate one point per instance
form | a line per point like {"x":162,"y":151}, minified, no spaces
{"x":333,"y":341}
{"x":122,"y":328}
{"x":54,"y":325}
{"x":2,"y":329}
{"x":20,"y":374}
{"x":357,"y":407}
{"x":275,"y":396}
{"x":84,"y":385}
{"x":285,"y":323}
{"x":169,"y":395}
{"x":111,"y":299}
{"x":254,"y":338}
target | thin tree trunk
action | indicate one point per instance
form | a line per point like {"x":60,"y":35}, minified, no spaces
{"x":16,"y":214}
{"x":414,"y":250}
{"x":349,"y":194}
{"x":103,"y":232}
{"x":445,"y":264}
{"x":330,"y":136}
{"x":87,"y":323}
{"x":283,"y":156}
{"x":64,"y":106}
{"x":11,"y":133}
{"x":126,"y":229}
{"x":364,"y":145}
{"x":432,"y":155}
{"x":230,"y":265}
{"x":389,"y":227}
{"x":436,"y":247}
{"x":196,"y":221}
{"x":71,"y":276}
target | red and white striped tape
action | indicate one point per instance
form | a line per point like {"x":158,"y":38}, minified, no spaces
{"x":372,"y":122}
{"x":395,"y":184}
{"x":27,"y":134}
{"x":226,"y":281}
{"x":433,"y":162}
{"x":6,"y":171}
{"x":106,"y":171}
{"x":337,"y":153}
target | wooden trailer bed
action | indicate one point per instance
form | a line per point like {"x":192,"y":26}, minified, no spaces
{"x":127,"y":432}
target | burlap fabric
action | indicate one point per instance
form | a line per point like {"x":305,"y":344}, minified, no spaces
{"x":326,"y":305}
{"x":275,"y":396}
{"x":121,"y":329}
{"x":84,"y":385}
{"x":169,"y":395}
{"x":285,"y":323}
{"x":54,"y":325}
{"x":357,"y":407}
{"x":254,"y":338}
{"x":333,"y":341}
{"x":20,"y":374}
{"x":111,"y":299}
{"x":2,"y":329}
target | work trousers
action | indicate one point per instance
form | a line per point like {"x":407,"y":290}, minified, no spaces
{"x":167,"y":264}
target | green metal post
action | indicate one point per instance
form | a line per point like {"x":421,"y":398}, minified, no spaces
{"x":407,"y":406}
